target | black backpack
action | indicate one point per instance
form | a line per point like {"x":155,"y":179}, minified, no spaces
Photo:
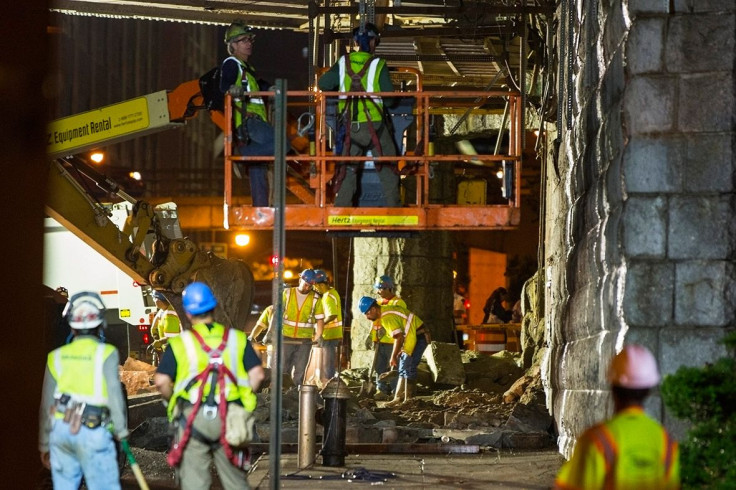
{"x":209,"y":85}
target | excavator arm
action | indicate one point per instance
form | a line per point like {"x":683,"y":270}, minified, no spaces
{"x":173,"y":262}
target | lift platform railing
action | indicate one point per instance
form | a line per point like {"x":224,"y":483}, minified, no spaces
{"x":311,"y":171}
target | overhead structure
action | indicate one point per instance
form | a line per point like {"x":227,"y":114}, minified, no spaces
{"x":454,"y":59}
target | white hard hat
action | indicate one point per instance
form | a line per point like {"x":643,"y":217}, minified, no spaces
{"x":634,"y":368}
{"x":84,"y":315}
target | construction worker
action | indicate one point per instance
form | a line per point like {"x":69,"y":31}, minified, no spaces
{"x":262,"y":325}
{"x":363,"y":117}
{"x":303,"y":325}
{"x":630,"y":450}
{"x":82,"y":403}
{"x":208,"y":377}
{"x":409,"y":339}
{"x":385,"y":289}
{"x":254,"y":135}
{"x":262,"y":330}
{"x":165,"y":323}
{"x":332,"y":333}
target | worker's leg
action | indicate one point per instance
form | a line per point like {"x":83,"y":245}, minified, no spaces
{"x":411,"y":364}
{"x":66,"y":472}
{"x":194,"y":469}
{"x":261,"y":143}
{"x":382,"y":361}
{"x":258,"y":175}
{"x":359,"y":141}
{"x":97,"y":455}
{"x":288,"y":357}
{"x":389,"y":179}
{"x":231,"y":477}
{"x":390,"y":185}
{"x":329,"y":354}
{"x":301,"y":358}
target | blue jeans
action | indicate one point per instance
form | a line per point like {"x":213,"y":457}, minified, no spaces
{"x":408,"y":363}
{"x":260,"y":143}
{"x":90,"y":452}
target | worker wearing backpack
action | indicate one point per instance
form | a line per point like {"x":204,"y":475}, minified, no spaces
{"x":254,"y":134}
{"x":367,"y":127}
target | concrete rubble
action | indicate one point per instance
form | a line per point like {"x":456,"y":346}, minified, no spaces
{"x":463,"y":398}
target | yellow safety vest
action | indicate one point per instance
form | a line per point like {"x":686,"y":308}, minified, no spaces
{"x":629,"y":451}
{"x":265,"y":318}
{"x":165,"y":324}
{"x":77,"y":369}
{"x":331,"y":306}
{"x":395,"y":301}
{"x":249,"y":84}
{"x":395,"y":319}
{"x":191,"y":360}
{"x":299,"y":322}
{"x":368,"y":83}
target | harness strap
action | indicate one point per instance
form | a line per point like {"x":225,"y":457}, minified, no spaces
{"x":356,"y":85}
{"x":605,"y":443}
{"x":219,"y":372}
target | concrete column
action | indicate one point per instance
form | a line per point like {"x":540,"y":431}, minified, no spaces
{"x":422,"y":270}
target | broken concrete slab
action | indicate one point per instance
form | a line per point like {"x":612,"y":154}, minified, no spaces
{"x":445,"y":363}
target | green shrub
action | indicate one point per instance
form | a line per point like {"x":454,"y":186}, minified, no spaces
{"x":706,"y":396}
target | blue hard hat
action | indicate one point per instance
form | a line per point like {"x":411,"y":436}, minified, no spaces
{"x":159,"y":296}
{"x":308,"y":276}
{"x":197,"y":298}
{"x":365,"y":304}
{"x":384,"y":282}
{"x":320,"y":276}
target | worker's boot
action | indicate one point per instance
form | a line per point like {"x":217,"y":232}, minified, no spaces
{"x":398,"y":394}
{"x":381,"y":396}
{"x":410,"y":389}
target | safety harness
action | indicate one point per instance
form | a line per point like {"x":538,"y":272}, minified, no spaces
{"x":356,"y":85}
{"x":218,"y":372}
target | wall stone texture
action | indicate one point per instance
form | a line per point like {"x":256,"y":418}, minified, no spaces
{"x":640,"y":231}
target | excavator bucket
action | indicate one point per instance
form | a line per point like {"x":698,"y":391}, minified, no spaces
{"x":232,"y":284}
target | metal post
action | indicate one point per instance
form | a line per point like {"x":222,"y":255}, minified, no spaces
{"x":279,"y":202}
{"x":307,"y":426}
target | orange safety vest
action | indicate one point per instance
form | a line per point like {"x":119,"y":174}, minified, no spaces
{"x":629,"y":451}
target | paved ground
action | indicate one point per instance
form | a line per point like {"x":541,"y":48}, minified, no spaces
{"x":489,"y":469}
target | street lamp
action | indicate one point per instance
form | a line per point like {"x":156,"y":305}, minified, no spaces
{"x":242,"y":239}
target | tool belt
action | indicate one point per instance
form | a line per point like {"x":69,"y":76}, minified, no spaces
{"x":78,"y":414}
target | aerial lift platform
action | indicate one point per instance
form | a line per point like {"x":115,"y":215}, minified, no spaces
{"x":311,"y":163}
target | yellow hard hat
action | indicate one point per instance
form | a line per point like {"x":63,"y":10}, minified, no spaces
{"x":237,"y":29}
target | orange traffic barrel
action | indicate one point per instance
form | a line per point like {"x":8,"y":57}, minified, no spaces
{"x":490,"y":339}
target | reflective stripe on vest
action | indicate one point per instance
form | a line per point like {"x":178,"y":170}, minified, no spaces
{"x":294,"y":324}
{"x":192,"y":360}
{"x":254,"y":104}
{"x":332,"y":330}
{"x":81,"y":376}
{"x":608,"y":448}
{"x":369,"y":83}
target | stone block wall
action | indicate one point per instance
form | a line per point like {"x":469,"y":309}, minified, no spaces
{"x":641,"y":235}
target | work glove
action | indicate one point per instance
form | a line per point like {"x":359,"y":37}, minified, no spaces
{"x":160,"y":344}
